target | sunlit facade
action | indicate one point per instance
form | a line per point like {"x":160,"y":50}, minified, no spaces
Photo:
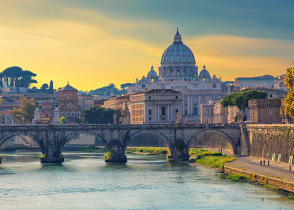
{"x":179,"y":71}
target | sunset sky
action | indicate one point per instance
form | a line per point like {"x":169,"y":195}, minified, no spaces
{"x":92,"y":43}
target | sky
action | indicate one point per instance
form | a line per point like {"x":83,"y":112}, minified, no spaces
{"x":92,"y":43}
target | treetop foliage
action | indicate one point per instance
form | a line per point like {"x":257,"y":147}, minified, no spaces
{"x":25,"y":112}
{"x":240,"y":99}
{"x":99,"y":115}
{"x":289,"y":102}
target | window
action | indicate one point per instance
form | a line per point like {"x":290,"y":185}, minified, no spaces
{"x":149,"y":118}
{"x":78,"y":114}
{"x":149,"y":97}
{"x":150,"y":112}
{"x":73,"y":114}
{"x":67,"y":114}
{"x":163,"y":111}
{"x":177,"y":110}
{"x":177,"y":97}
{"x":69,"y":105}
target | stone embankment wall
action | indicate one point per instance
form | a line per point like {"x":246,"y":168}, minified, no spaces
{"x":268,"y":139}
{"x":261,"y":179}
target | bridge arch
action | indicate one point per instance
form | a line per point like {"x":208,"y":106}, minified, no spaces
{"x":221,"y":133}
{"x":8,"y":137}
{"x":75,"y":135}
{"x":136,"y":134}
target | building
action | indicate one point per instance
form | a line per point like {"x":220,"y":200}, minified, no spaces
{"x":156,"y":106}
{"x":280,"y":82}
{"x":271,"y":92}
{"x":86,"y":102}
{"x":265,"y":111}
{"x":220,"y":113}
{"x":178,"y":71}
{"x":67,"y":99}
{"x":266,"y":81}
{"x":206,"y":113}
{"x":117,"y":103}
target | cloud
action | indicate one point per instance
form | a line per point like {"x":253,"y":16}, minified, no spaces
{"x":231,"y":56}
{"x":91,"y":49}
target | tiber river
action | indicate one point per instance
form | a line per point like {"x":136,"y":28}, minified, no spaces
{"x":84,"y":181}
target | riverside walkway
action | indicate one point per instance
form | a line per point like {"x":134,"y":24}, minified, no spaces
{"x":279,"y":171}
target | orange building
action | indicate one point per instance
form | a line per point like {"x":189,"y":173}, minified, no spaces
{"x":67,"y":99}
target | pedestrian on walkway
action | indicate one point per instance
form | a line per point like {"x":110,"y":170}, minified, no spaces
{"x":290,"y":167}
{"x":260,"y":162}
{"x":264,"y":162}
{"x":268,"y":162}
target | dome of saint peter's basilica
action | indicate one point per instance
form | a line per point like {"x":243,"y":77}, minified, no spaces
{"x":178,"y":61}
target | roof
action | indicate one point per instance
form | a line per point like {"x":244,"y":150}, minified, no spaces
{"x":69,"y":88}
{"x":259,"y":77}
{"x":156,"y":90}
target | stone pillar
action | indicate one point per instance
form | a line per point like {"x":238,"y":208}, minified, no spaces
{"x":52,"y":149}
{"x":179,"y":152}
{"x":56,"y":115}
{"x":37,"y":116}
{"x":115,"y":152}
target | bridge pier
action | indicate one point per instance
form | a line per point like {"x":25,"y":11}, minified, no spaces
{"x":115,"y":153}
{"x":179,"y":152}
{"x":52,"y":155}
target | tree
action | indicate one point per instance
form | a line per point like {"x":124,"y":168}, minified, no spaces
{"x":99,"y":115}
{"x":63,"y":120}
{"x":51,"y":87}
{"x":289,"y":102}
{"x":25,"y":112}
{"x":15,"y":76}
{"x":44,"y":87}
{"x":240,"y":99}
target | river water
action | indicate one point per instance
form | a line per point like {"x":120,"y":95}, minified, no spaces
{"x":84,"y":181}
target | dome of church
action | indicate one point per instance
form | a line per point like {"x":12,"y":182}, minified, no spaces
{"x":204,"y":74}
{"x":178,"y":53}
{"x":152,"y":73}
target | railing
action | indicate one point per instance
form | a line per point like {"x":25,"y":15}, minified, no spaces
{"x":113,"y":126}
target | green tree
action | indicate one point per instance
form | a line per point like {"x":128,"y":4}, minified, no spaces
{"x":240,"y":99}
{"x":25,"y":112}
{"x":99,"y":115}
{"x":51,"y":87}
{"x":289,"y":102}
{"x":15,"y":76}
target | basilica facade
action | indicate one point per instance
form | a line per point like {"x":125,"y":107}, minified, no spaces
{"x":178,"y":71}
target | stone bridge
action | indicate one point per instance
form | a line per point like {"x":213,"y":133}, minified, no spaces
{"x":178,"y":137}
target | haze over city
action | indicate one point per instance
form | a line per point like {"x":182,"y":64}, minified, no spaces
{"x":94,"y":43}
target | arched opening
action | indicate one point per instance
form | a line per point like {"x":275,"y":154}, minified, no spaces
{"x":87,"y":142}
{"x":16,"y":142}
{"x":213,"y":140}
{"x":148,"y":142}
{"x":20,"y":148}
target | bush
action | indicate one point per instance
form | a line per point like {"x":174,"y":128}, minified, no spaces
{"x":108,"y":156}
{"x":217,"y":161}
{"x":150,"y":150}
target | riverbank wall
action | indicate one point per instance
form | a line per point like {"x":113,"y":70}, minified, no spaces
{"x":278,"y":183}
{"x":271,"y":141}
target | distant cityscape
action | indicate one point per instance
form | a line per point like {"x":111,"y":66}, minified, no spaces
{"x":177,"y":93}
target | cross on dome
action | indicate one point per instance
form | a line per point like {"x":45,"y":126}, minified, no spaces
{"x":178,"y":37}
